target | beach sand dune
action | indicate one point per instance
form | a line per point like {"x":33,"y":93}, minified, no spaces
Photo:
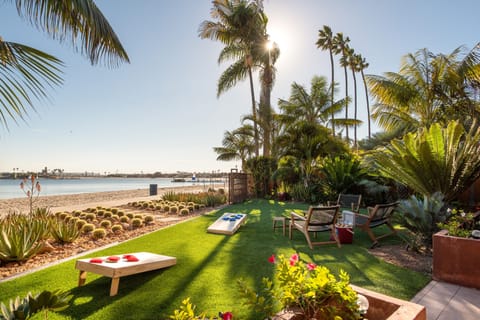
{"x":85,"y":200}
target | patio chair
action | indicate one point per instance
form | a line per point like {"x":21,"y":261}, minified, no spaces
{"x":377,"y":216}
{"x":317,"y":219}
{"x":351,"y":201}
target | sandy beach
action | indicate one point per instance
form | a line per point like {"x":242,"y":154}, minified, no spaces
{"x":86,"y":200}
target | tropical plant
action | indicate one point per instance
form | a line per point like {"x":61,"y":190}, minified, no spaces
{"x":313,"y":107}
{"x":340,"y":46}
{"x":304,"y":287}
{"x":26,"y":73}
{"x":361,"y":65}
{"x":306,"y":142}
{"x":459,"y":223}
{"x":187,"y":312}
{"x":20,"y":237}
{"x":237,"y":145}
{"x":240,"y":25}
{"x":262,"y":169}
{"x":64,"y":231}
{"x":422,"y":217}
{"x":27,"y":307}
{"x":437,"y":159}
{"x":325,"y":42}
{"x":429,"y":88}
{"x":341,"y":175}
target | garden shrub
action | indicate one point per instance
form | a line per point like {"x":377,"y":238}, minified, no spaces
{"x":105,"y":224}
{"x":108,"y":214}
{"x":138,"y":216}
{"x":88,"y":227}
{"x":100,"y":213}
{"x":129,"y":215}
{"x":166,"y":208}
{"x":124,"y":219}
{"x":64,"y":231}
{"x":99,"y":233}
{"x":136,"y":222}
{"x":63,"y":215}
{"x":173,"y":210}
{"x":114,"y":210}
{"x":80,"y":223}
{"x":120,"y":213}
{"x":117,"y":228}
{"x":90,"y":216}
{"x":184,"y":212}
{"x":148,"y":219}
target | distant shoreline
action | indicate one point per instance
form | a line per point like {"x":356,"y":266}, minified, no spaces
{"x":85,"y":200}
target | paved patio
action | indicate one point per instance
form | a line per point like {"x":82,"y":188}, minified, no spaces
{"x":446,"y":301}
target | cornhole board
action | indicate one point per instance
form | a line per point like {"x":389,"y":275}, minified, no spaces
{"x":146,"y":262}
{"x":226,"y":224}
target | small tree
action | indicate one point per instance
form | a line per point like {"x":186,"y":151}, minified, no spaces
{"x":31,"y":187}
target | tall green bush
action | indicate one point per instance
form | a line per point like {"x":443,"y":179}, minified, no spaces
{"x":435,"y":159}
{"x":262,"y":169}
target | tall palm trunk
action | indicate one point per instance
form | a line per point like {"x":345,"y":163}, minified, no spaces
{"x":346,"y":101}
{"x":332,"y":94}
{"x":266,"y":109}
{"x":368,"y":104}
{"x":355,"y":108}
{"x":254,"y":113}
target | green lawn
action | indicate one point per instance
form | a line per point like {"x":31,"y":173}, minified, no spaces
{"x":207,"y":267}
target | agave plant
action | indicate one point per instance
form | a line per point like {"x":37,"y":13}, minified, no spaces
{"x":20,"y":237}
{"x":435,"y":159}
{"x":26,"y":307}
{"x":422,"y":217}
{"x":64,"y":231}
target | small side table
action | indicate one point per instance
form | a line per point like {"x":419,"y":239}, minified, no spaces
{"x":282,"y":221}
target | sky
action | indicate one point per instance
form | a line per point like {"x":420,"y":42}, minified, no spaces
{"x":160,"y":113}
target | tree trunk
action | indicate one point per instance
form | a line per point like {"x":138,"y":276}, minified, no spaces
{"x":346,"y":102}
{"x":355,"y":109}
{"x":368,"y":105}
{"x":254,"y":113}
{"x":332,"y":95}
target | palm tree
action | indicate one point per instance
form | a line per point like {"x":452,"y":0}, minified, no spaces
{"x":341,"y":47}
{"x":429,"y":88}
{"x":351,"y":60}
{"x":361,"y":65}
{"x":325,"y":42}
{"x":241,"y":25}
{"x":267,"y":79}
{"x":26,"y":73}
{"x":237,"y":145}
{"x":313,"y":107}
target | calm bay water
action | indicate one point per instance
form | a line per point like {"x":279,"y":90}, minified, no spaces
{"x":10,"y":188}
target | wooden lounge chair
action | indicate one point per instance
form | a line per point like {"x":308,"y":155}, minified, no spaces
{"x":351,"y":201}
{"x":317,"y":219}
{"x":377,"y":216}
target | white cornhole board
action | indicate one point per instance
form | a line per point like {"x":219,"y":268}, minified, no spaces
{"x":226,"y":224}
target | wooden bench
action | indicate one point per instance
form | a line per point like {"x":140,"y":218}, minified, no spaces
{"x":146,"y":262}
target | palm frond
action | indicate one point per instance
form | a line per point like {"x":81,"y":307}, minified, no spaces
{"x":77,"y":21}
{"x":26,"y":74}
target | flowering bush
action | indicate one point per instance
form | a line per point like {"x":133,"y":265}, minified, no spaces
{"x":459,"y":224}
{"x":305,"y":287}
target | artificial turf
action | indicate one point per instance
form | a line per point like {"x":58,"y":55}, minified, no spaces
{"x":207,"y":268}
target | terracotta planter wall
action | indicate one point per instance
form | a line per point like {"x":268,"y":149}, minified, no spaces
{"x":456,"y":260}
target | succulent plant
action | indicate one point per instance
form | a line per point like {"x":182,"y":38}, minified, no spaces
{"x":99,"y":233}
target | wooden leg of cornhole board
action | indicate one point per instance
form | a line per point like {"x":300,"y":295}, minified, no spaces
{"x":82,"y":277}
{"x":114,"y":286}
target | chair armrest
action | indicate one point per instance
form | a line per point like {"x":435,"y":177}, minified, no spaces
{"x":296,"y":216}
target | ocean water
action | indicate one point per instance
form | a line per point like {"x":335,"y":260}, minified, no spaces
{"x":10,"y":188}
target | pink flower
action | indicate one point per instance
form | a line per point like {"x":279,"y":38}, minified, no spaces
{"x":293,"y":259}
{"x":311,"y":266}
{"x":271,"y":259}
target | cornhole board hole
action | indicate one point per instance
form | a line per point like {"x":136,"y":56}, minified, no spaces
{"x":228,"y":223}
{"x":146,"y":262}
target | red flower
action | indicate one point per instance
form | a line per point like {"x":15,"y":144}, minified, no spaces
{"x":271,"y":259}
{"x":293,"y":259}
{"x":311,"y":266}
{"x":226,"y":316}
